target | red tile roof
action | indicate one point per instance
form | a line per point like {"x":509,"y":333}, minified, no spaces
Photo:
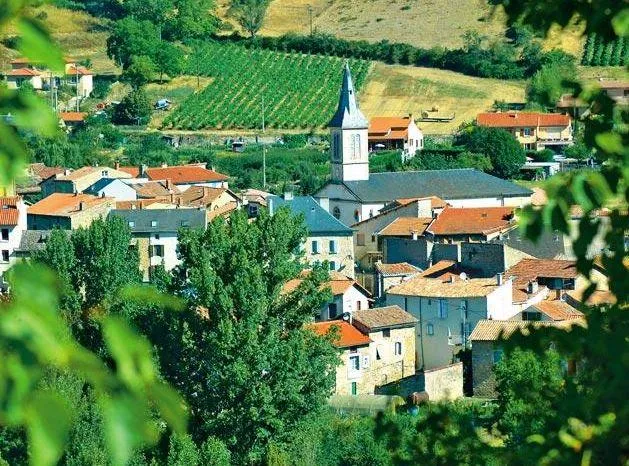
{"x":473,"y":220}
{"x":558,"y":310}
{"x":24,"y":72}
{"x":9,"y":214}
{"x":133,"y":171}
{"x":517,"y":119}
{"x":73,"y":117}
{"x":61,"y":204}
{"x":406,"y":226}
{"x":347,"y":334}
{"x":528,"y":270}
{"x":185,"y":174}
{"x":383,"y":128}
{"x":80,"y":70}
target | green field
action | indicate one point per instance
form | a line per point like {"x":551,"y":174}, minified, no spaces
{"x":296,"y":90}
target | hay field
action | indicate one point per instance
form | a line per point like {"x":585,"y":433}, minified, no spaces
{"x":80,"y":35}
{"x":399,"y":90}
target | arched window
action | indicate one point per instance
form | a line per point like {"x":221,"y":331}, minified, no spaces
{"x":336,"y":212}
{"x":355,"y":146}
{"x":397,"y":348}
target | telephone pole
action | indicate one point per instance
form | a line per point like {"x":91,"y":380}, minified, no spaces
{"x":263,"y":150}
{"x":310,"y":17}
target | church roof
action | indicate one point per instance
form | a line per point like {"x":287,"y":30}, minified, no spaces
{"x":460,"y":183}
{"x":317,"y":219}
{"x":348,"y":115}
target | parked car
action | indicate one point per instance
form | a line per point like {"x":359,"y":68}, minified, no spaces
{"x":162,"y":104}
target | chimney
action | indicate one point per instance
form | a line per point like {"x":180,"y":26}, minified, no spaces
{"x":451,"y":279}
{"x":415,"y":235}
{"x":117,"y":165}
{"x":164,"y":165}
{"x":142,"y":173}
{"x":172,"y":198}
{"x":558,"y":294}
{"x":499,"y":279}
{"x":532,"y":287}
{"x":169,"y":184}
{"x":324,"y":202}
{"x":66,"y":172}
{"x":288,"y":196}
{"x":81,"y":205}
{"x":102,"y":195}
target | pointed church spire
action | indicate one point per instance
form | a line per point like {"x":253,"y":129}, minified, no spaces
{"x":348,"y":115}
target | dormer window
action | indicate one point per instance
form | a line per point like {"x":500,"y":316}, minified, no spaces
{"x":154,"y":223}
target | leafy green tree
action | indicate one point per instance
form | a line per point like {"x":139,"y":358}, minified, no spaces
{"x":241,"y":342}
{"x":139,"y":72}
{"x":182,"y":451}
{"x":527,"y":386}
{"x":215,"y":453}
{"x":135,"y":108}
{"x":505,"y":152}
{"x":60,"y":256}
{"x":169,"y":59}
{"x":545,"y":155}
{"x":105,"y":262}
{"x":249,"y":14}
{"x":578,"y":151}
{"x":132,"y":38}
{"x":195,"y":19}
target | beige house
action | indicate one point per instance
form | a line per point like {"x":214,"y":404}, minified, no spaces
{"x":75,"y":75}
{"x":447,"y":310}
{"x":389,"y":275}
{"x":79,"y":180}
{"x":377,"y":348}
{"x":535,"y":131}
{"x":68,"y":211}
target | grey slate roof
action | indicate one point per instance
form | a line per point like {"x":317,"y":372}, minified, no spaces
{"x":318,"y":220}
{"x":168,"y":220}
{"x":460,"y":183}
{"x":348,"y":115}
{"x":549,"y":245}
{"x":100,"y":184}
{"x":32,"y":240}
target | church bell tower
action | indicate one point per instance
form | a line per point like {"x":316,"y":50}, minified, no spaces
{"x":348,"y":136}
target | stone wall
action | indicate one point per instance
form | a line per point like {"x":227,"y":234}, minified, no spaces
{"x":414,"y":252}
{"x":487,"y":259}
{"x":444,"y":383}
{"x":343,"y":257}
{"x":484,"y":382}
{"x":442,"y":251}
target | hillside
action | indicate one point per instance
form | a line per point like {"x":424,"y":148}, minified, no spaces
{"x":80,"y":35}
{"x":423,"y":23}
{"x":399,"y":90}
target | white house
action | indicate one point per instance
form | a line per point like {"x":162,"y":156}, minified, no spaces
{"x":13,"y":217}
{"x":347,"y":295}
{"x":355,"y":194}
{"x":113,"y":187}
{"x":447,"y":311}
{"x":182,"y":176}
{"x":392,"y":133}
{"x":154,"y":234}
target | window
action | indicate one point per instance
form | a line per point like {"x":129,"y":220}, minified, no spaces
{"x":355,"y":148}
{"x":332,"y":265}
{"x":531,"y":315}
{"x":357,"y":215}
{"x":131,"y":224}
{"x":430,"y":329}
{"x":315,"y":247}
{"x":354,"y":389}
{"x":336,"y":149}
{"x":370,"y":213}
{"x":185,"y":223}
{"x":397,"y":348}
{"x":5,"y":255}
{"x":354,"y":363}
{"x":378,"y":357}
{"x":332,"y":247}
{"x":430,"y":302}
{"x":360,"y":239}
{"x":158,"y":250}
{"x":497,"y":355}
{"x":526,"y":132}
{"x":358,"y":305}
{"x":373,"y":238}
{"x":443,"y":309}
{"x":153,"y":223}
{"x":386,"y":333}
{"x":332,"y":310}
{"x":336,"y":212}
{"x":4,"y":234}
{"x":104,"y":173}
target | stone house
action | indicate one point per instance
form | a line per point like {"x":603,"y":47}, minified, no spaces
{"x":388,"y":275}
{"x":78,"y":181}
{"x":68,"y":211}
{"x":328,"y":239}
{"x":487,"y":348}
{"x":447,"y":310}
{"x":534,"y":131}
{"x":355,"y":194}
{"x":406,"y":217}
{"x":12,"y":228}
{"x":154,"y":233}
{"x":395,"y":133}
{"x":376,"y":349}
{"x":347,"y":295}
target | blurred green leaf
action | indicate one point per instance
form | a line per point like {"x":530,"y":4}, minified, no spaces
{"x":49,"y":420}
{"x":170,"y":406}
{"x":620,"y":22}
{"x":37,"y":45}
